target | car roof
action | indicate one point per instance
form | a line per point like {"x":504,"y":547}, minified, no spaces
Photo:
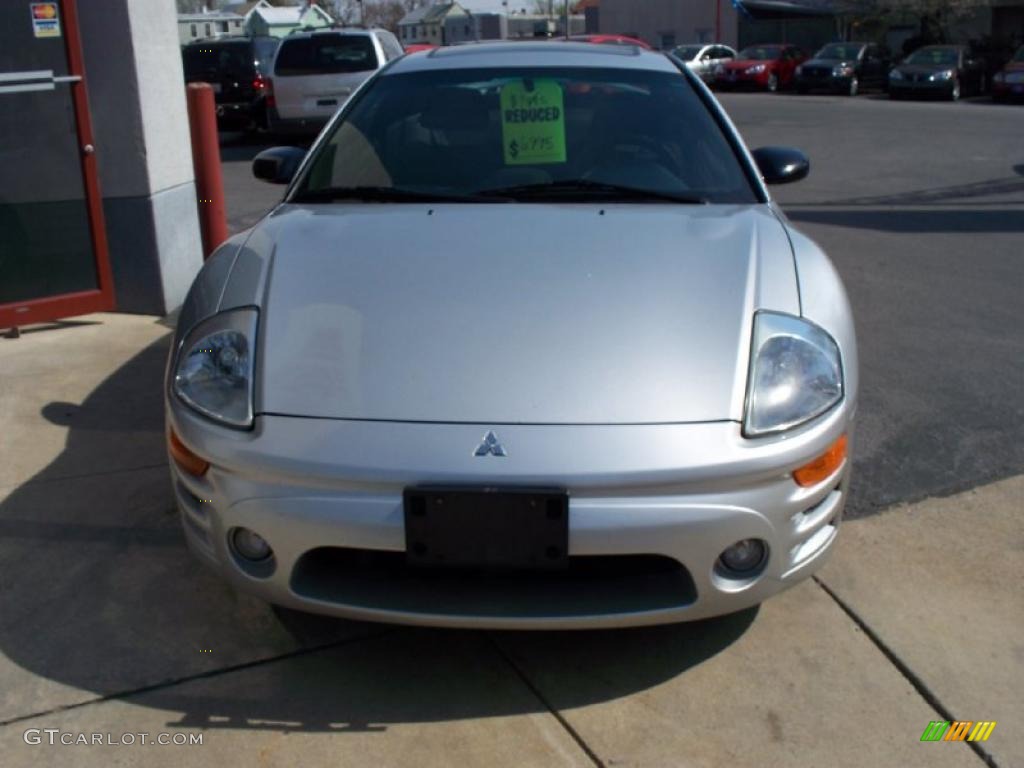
{"x":534,"y":54}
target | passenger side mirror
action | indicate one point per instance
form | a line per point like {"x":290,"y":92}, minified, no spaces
{"x":781,"y":165}
{"x":277,"y":164}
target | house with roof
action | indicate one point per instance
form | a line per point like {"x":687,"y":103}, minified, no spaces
{"x":436,"y":25}
{"x":196,"y":26}
{"x":262,"y":18}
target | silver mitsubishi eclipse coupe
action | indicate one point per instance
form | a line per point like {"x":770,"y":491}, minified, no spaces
{"x":525,"y":345}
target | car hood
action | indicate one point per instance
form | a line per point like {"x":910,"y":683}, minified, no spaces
{"x":829,"y":63}
{"x":924,"y":69}
{"x":516,"y":313}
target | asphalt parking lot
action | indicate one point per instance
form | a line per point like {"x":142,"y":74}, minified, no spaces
{"x":108,"y":625}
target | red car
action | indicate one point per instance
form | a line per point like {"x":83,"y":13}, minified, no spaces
{"x":768,"y":67}
{"x":417,"y":47}
{"x":1009,"y":83}
{"x":610,"y":40}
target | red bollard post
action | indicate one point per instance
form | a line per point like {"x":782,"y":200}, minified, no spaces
{"x":202,"y":121}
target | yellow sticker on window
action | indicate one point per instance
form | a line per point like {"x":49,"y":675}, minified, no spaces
{"x":533,"y":122}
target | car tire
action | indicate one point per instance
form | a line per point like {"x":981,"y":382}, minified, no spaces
{"x":802,"y":90}
{"x":954,"y":92}
{"x":853,"y":88}
{"x":773,"y":83}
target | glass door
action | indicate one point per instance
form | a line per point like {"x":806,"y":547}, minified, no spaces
{"x":53,"y":250}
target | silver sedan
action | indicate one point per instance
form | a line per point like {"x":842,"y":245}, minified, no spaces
{"x":527,"y":345}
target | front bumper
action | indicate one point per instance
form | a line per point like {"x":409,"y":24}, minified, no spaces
{"x":737,"y":80}
{"x":327,"y":496}
{"x":920,"y":87}
{"x":840,"y":84}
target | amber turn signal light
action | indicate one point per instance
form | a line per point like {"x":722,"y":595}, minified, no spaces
{"x":184,"y":458}
{"x":822,"y":467}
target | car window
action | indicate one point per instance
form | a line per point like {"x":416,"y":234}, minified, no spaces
{"x":687,"y":52}
{"x":389,"y":43}
{"x":467,"y":131}
{"x":839,"y":52}
{"x":724,"y":53}
{"x":264,"y":49}
{"x":325,"y":54}
{"x":233,"y":59}
{"x":934,"y":56}
{"x":760,"y":53}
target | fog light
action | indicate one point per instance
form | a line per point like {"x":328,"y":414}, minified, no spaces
{"x":250,"y":545}
{"x":744,"y":556}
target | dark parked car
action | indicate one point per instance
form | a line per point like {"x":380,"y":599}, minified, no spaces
{"x":845,"y":68}
{"x":238,"y":68}
{"x":948,"y":71}
{"x":768,"y":67}
{"x":1009,"y":82}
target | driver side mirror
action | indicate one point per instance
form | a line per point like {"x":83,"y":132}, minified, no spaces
{"x":781,"y":165}
{"x":277,"y":164}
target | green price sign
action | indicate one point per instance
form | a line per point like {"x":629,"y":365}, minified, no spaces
{"x":533,"y":122}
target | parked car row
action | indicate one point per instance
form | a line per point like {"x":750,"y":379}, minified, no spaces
{"x":289,"y":85}
{"x":947,"y":71}
{"x":296,"y":84}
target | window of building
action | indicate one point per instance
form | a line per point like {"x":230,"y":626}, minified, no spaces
{"x":195,"y":32}
{"x":668,"y":40}
{"x":208,"y":30}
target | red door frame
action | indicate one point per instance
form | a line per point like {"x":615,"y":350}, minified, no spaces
{"x":102,"y":298}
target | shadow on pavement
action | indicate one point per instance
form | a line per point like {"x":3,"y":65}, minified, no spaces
{"x":99,"y":598}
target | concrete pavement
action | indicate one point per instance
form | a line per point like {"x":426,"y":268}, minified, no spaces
{"x":107,"y":625}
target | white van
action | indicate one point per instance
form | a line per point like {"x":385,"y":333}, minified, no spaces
{"x":315,"y":72}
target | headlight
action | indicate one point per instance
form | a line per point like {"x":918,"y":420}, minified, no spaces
{"x":214,"y":369}
{"x":755,"y":69}
{"x":895,"y":75}
{"x":795,"y":374}
{"x":842,"y":70}
{"x":948,"y":74}
{"x":998,"y":77}
{"x":800,"y":69}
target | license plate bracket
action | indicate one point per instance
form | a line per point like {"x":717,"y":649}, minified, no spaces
{"x":500,"y":529}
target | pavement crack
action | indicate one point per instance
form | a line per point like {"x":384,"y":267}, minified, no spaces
{"x":211,"y":673}
{"x":911,"y":677}
{"x":573,"y":733}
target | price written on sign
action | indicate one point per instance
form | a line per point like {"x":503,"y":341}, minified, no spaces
{"x":533,"y":122}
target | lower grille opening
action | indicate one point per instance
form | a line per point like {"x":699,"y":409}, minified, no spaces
{"x":590,"y":586}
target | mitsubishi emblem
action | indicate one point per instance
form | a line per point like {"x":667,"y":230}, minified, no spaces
{"x":490,"y":446}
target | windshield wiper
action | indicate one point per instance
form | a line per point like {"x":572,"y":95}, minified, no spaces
{"x":585,"y":189}
{"x":387,"y":195}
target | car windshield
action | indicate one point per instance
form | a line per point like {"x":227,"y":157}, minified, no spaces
{"x":760,"y":53}
{"x":839,"y":52}
{"x":325,"y":54}
{"x":687,"y":52}
{"x":528,"y":134}
{"x":939,"y":56}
